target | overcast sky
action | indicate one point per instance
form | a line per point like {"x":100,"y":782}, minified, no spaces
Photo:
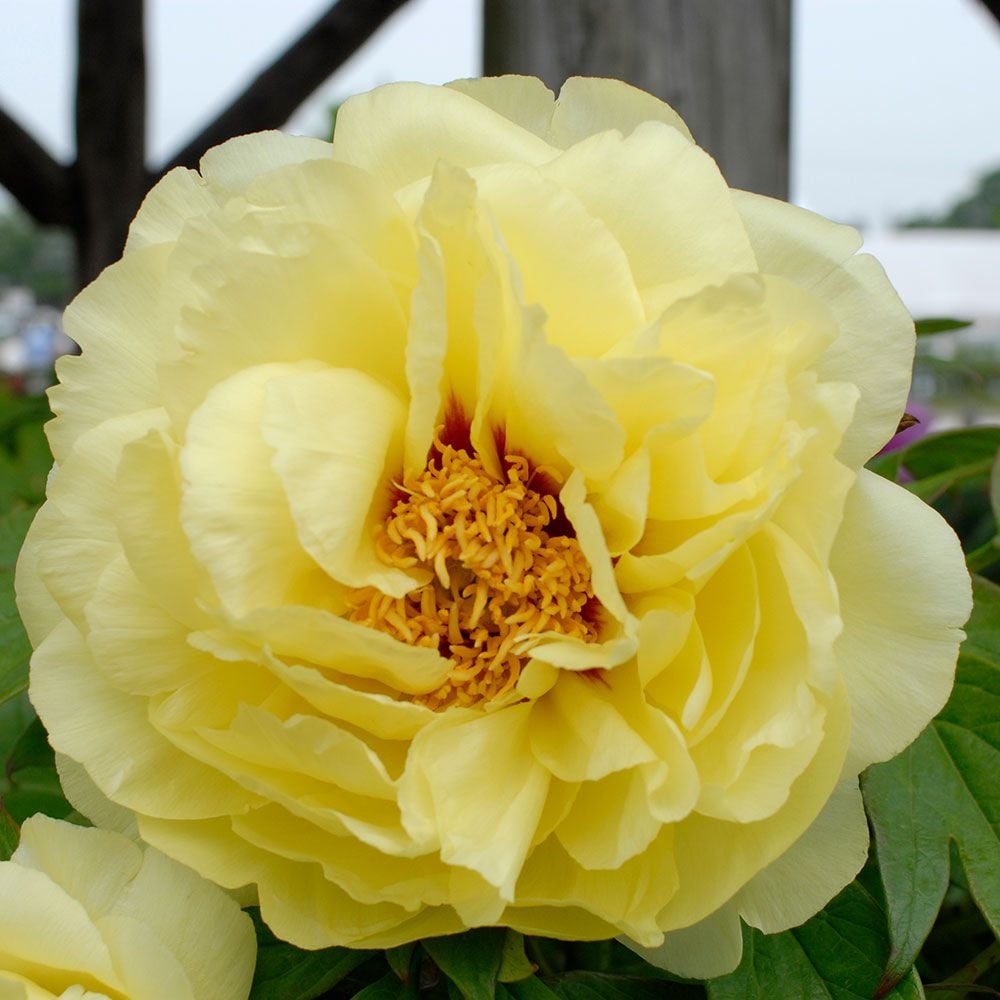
{"x":896,"y":103}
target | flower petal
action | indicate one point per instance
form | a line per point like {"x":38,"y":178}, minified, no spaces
{"x":904,"y":596}
{"x":706,"y":232}
{"x":398,"y":133}
{"x":337,"y":440}
{"x":712,"y":947}
{"x":820,"y":863}
{"x":588,"y":105}
{"x":127,"y":761}
{"x":486,"y":826}
{"x":234,"y":509}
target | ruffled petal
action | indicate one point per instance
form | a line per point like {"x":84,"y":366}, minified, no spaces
{"x":712,"y":947}
{"x":820,"y":863}
{"x":904,"y":596}
{"x":399,"y":131}
{"x":589,"y":105}
{"x":337,"y":440}
{"x":706,"y":232}
{"x":485,"y":826}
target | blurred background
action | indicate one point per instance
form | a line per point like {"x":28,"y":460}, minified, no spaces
{"x":881,"y":113}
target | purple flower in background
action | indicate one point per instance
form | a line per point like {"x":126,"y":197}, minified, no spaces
{"x":913,"y":432}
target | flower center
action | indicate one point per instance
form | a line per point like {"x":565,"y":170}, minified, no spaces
{"x":505,"y":570}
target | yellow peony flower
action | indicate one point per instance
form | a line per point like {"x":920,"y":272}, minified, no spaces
{"x":464,"y":524}
{"x":87,"y":914}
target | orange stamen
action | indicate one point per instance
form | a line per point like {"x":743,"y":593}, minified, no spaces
{"x":499,"y":576}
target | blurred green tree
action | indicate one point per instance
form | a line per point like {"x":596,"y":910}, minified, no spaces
{"x":36,"y":257}
{"x":981,"y":210}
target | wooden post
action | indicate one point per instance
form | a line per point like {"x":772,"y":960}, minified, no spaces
{"x":723,"y":64}
{"x":110,"y":172}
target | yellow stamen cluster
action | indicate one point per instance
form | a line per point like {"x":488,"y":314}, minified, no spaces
{"x":500,"y":577}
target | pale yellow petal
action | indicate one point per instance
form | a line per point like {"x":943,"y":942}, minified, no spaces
{"x":88,"y":800}
{"x":622,"y":503}
{"x":144,"y":964}
{"x":74,"y":541}
{"x":234,"y":509}
{"x":118,"y":322}
{"x":129,"y":759}
{"x":230,"y":167}
{"x":524,"y":100}
{"x":140,"y":648}
{"x":569,"y":261}
{"x":92,"y":866}
{"x":38,"y":609}
{"x":813,"y":870}
{"x":874,"y":349}
{"x":554,"y":414}
{"x":366,"y":874}
{"x":400,"y":131}
{"x":904,"y":596}
{"x":317,"y":637}
{"x":651,"y":393}
{"x":706,"y":232}
{"x":346,"y":200}
{"x":712,"y":947}
{"x":339,"y":697}
{"x":16,"y":987}
{"x":483,"y":825}
{"x":259,"y":294}
{"x":48,"y":936}
{"x":715,"y":858}
{"x":465,"y":318}
{"x":628,"y":897}
{"x":610,"y":821}
{"x":148,"y":488}
{"x":192,"y":921}
{"x":588,"y":105}
{"x":337,"y":440}
{"x":579,"y":736}
{"x":307,"y":745}
{"x":179,"y":195}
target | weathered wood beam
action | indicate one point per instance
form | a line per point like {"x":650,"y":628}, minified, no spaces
{"x":110,"y":173}
{"x":270,"y":99}
{"x":723,"y":64}
{"x":33,"y":176}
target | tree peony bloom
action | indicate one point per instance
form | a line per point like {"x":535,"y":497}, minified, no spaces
{"x":464,"y":524}
{"x":87,"y":914}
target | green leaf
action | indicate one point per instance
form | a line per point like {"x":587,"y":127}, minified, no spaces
{"x":928,"y":327}
{"x":886,"y":465}
{"x":285,"y":972}
{"x":31,"y":750}
{"x":526,"y":989}
{"x":471,"y":960}
{"x":16,"y":714}
{"x":14,"y":647}
{"x":9,"y":834}
{"x":29,"y":783}
{"x":837,"y":955}
{"x":386,"y":988}
{"x":943,"y":788}
{"x":938,"y":461}
{"x":514,"y":964}
{"x":995,"y":489}
{"x":603,"y":986}
{"x":400,"y":959}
